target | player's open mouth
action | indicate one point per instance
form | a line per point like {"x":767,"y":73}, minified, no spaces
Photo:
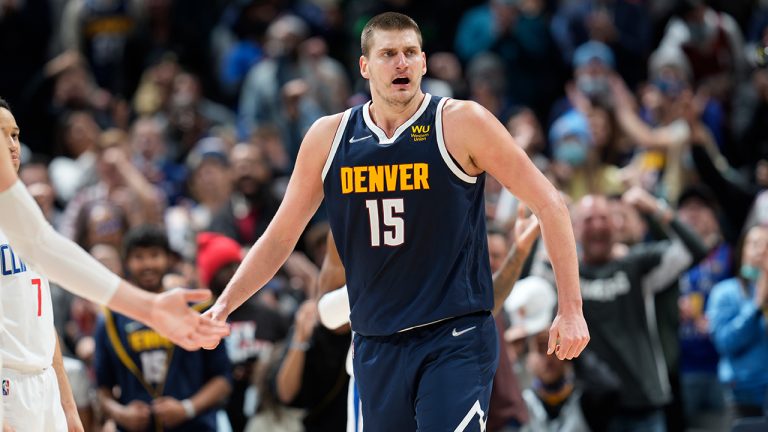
{"x":401,"y":81}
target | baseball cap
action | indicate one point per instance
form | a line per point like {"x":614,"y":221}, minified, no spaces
{"x":214,"y":251}
{"x":531,"y":303}
{"x":593,"y":51}
{"x":571,"y":123}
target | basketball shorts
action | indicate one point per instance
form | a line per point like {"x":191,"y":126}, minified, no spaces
{"x":32,"y":402}
{"x":428,"y":379}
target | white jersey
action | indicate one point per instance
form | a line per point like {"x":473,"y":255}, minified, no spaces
{"x":27,"y":339}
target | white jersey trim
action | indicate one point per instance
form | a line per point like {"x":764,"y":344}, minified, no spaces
{"x":380,"y":133}
{"x":336,"y":141}
{"x":457,"y":171}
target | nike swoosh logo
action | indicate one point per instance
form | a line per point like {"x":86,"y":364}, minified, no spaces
{"x":459,"y":333}
{"x":354,"y":140}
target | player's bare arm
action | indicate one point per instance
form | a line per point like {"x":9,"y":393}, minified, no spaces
{"x":65,"y":391}
{"x":302,"y":198}
{"x":480,"y":143}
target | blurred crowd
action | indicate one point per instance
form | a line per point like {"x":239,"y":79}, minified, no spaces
{"x":159,"y":135}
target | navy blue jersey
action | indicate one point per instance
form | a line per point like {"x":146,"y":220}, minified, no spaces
{"x":146,"y":366}
{"x":409,"y":224}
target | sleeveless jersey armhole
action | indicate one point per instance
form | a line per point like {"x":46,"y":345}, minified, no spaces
{"x":336,"y":141}
{"x":447,"y":158}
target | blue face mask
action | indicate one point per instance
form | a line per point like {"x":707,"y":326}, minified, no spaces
{"x":749,"y":272}
{"x":593,"y":86}
{"x":571,"y":152}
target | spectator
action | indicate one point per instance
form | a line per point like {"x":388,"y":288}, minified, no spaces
{"x":618,"y":304}
{"x":152,"y":154}
{"x":713,"y":44}
{"x":75,"y":167}
{"x":564,"y":396}
{"x":255,"y":328}
{"x":248,"y":211}
{"x":295,"y":86}
{"x":702,"y":395}
{"x":312,"y":374}
{"x":577,"y":165}
{"x":736,"y":312}
{"x":145,"y":382}
{"x":119,"y":182}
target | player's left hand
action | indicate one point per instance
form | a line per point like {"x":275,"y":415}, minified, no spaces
{"x":568,"y":335}
{"x":169,"y":411}
{"x":173,"y":318}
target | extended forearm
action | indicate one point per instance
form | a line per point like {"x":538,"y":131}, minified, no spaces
{"x":561,"y":246}
{"x":58,"y":258}
{"x":259,"y":266}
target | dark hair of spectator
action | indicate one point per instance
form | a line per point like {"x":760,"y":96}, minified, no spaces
{"x":145,"y":236}
{"x":387,"y":21}
{"x":4,"y":104}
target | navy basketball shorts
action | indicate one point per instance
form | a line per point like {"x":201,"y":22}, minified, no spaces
{"x":428,"y":379}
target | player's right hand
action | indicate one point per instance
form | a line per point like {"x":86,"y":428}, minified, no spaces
{"x":216,"y":315}
{"x":173,"y":318}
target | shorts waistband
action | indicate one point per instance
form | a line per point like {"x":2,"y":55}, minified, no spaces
{"x":442,"y":320}
{"x":26,"y":372}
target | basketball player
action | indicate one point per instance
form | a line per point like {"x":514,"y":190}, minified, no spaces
{"x":28,"y":340}
{"x":333,"y":306}
{"x":403,"y":176}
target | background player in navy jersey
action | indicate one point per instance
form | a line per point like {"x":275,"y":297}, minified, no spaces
{"x":403,"y":176}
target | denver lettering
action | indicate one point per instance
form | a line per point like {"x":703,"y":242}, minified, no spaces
{"x":384,"y":178}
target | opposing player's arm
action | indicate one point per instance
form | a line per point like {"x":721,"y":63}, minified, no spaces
{"x":65,"y":390}
{"x":302,"y":198}
{"x":481,"y":143}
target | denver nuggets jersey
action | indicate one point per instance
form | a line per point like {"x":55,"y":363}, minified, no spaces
{"x":409,"y":224}
{"x":27,"y":340}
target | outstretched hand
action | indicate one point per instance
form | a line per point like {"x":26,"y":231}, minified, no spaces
{"x":568,"y":335}
{"x":172,"y":317}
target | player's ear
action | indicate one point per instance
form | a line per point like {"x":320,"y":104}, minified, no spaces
{"x":364,"y":67}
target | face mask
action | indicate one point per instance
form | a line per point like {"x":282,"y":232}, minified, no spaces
{"x":593,"y":86}
{"x":571,"y":152}
{"x":749,"y":272}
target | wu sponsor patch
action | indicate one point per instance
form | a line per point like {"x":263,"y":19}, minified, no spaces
{"x":420,"y":132}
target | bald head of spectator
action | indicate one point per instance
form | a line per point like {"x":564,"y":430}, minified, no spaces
{"x":594,"y":230}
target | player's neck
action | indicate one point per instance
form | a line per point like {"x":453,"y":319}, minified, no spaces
{"x":389,"y":117}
